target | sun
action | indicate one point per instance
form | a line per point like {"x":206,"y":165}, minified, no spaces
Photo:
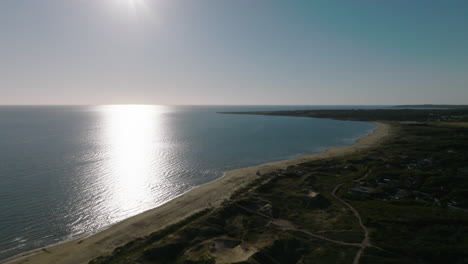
{"x":133,"y":5}
{"x":138,"y":11}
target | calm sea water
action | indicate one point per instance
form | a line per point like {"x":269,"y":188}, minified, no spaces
{"x":70,"y":171}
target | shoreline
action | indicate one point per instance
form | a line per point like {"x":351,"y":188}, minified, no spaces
{"x":212,"y":194}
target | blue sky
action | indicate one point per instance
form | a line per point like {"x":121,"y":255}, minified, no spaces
{"x":233,"y":52}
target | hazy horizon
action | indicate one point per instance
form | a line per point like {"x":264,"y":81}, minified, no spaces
{"x":220,"y":52}
{"x":228,"y":104}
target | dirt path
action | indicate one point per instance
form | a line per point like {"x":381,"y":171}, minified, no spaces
{"x":364,"y":177}
{"x":286,"y":225}
{"x":365,"y":242}
{"x":324,"y":238}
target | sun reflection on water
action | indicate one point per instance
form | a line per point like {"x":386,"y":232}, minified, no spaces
{"x":131,"y":133}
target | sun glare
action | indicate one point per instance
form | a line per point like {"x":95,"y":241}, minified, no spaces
{"x":148,"y":11}
{"x":131,"y":133}
{"x":134,"y":5}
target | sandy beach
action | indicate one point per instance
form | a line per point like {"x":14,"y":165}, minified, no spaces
{"x":208,"y":195}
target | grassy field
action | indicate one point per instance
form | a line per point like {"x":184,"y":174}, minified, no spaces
{"x":405,"y":201}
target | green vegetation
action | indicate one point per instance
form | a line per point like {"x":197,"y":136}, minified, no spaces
{"x":420,"y":115}
{"x":410,"y":193}
{"x":433,"y":106}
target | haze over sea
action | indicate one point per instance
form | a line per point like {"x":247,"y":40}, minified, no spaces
{"x":68,"y":171}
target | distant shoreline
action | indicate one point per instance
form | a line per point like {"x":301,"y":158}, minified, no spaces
{"x":211,"y":194}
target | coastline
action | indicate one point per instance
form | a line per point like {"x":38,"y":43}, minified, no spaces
{"x":211,"y":194}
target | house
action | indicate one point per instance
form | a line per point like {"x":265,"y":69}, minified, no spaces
{"x":362,"y":190}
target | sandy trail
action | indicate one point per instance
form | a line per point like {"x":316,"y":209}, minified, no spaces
{"x":365,"y":242}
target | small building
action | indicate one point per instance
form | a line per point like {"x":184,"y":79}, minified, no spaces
{"x":362,"y":190}
{"x":383,"y":181}
{"x":402,"y":193}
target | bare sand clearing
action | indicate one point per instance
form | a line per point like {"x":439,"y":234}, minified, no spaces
{"x":211,"y":194}
{"x":229,"y":251}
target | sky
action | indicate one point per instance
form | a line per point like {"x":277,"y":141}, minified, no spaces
{"x":198,"y":52}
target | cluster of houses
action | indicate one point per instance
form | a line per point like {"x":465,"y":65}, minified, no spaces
{"x":388,"y":187}
{"x":383,"y":187}
{"x":391,"y":193}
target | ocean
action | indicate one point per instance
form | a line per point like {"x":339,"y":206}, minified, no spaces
{"x":70,"y":171}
